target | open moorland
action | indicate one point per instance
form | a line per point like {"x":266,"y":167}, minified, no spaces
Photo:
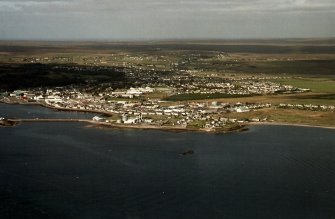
{"x":206,"y":84}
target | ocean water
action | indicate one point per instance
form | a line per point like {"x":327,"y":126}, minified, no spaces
{"x":17,"y":111}
{"x":68,"y":170}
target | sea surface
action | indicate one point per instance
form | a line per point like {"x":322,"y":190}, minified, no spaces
{"x":68,"y":170}
{"x":17,"y":111}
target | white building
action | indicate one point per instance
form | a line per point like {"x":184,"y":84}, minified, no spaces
{"x":97,"y":118}
{"x":242,"y":109}
{"x":53,"y":99}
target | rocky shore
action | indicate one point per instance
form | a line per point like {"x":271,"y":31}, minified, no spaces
{"x":8,"y":123}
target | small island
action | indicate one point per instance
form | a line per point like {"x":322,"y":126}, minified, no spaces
{"x":7,"y":123}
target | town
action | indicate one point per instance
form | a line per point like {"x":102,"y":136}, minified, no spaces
{"x":149,"y":104}
{"x":172,"y":86}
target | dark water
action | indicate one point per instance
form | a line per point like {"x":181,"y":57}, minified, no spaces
{"x":35,"y":111}
{"x":55,"y":170}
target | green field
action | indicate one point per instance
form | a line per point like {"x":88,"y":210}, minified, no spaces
{"x":296,"y":67}
{"x":317,"y":85}
{"x":292,"y":116}
{"x":185,"y":97}
{"x":293,"y":67}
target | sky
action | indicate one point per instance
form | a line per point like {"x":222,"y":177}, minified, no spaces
{"x":165,"y":19}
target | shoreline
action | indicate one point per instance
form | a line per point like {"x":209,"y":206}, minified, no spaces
{"x":165,"y":128}
{"x":240,"y":128}
{"x":58,"y":108}
{"x":97,"y":124}
{"x":289,"y":124}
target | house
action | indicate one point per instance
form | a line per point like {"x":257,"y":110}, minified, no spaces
{"x":132,"y":120}
{"x":53,"y":99}
{"x":97,"y":118}
{"x":40,"y":97}
{"x":147,"y":90}
{"x":133,"y":91}
{"x":242,"y":109}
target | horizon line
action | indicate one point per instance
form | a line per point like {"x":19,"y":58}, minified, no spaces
{"x":163,"y":39}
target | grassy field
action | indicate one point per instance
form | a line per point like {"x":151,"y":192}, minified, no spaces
{"x":185,"y":97}
{"x":284,"y":67}
{"x":322,"y":90}
{"x":317,"y":85}
{"x":296,"y":67}
{"x":293,"y":116}
{"x":304,"y":98}
{"x":322,"y":93}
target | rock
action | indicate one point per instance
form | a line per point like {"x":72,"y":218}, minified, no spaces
{"x":188,"y":152}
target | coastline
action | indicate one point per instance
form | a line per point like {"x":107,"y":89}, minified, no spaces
{"x":57,"y":108}
{"x":96,"y":124}
{"x":240,"y":128}
{"x":289,"y":124}
{"x":165,"y":128}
